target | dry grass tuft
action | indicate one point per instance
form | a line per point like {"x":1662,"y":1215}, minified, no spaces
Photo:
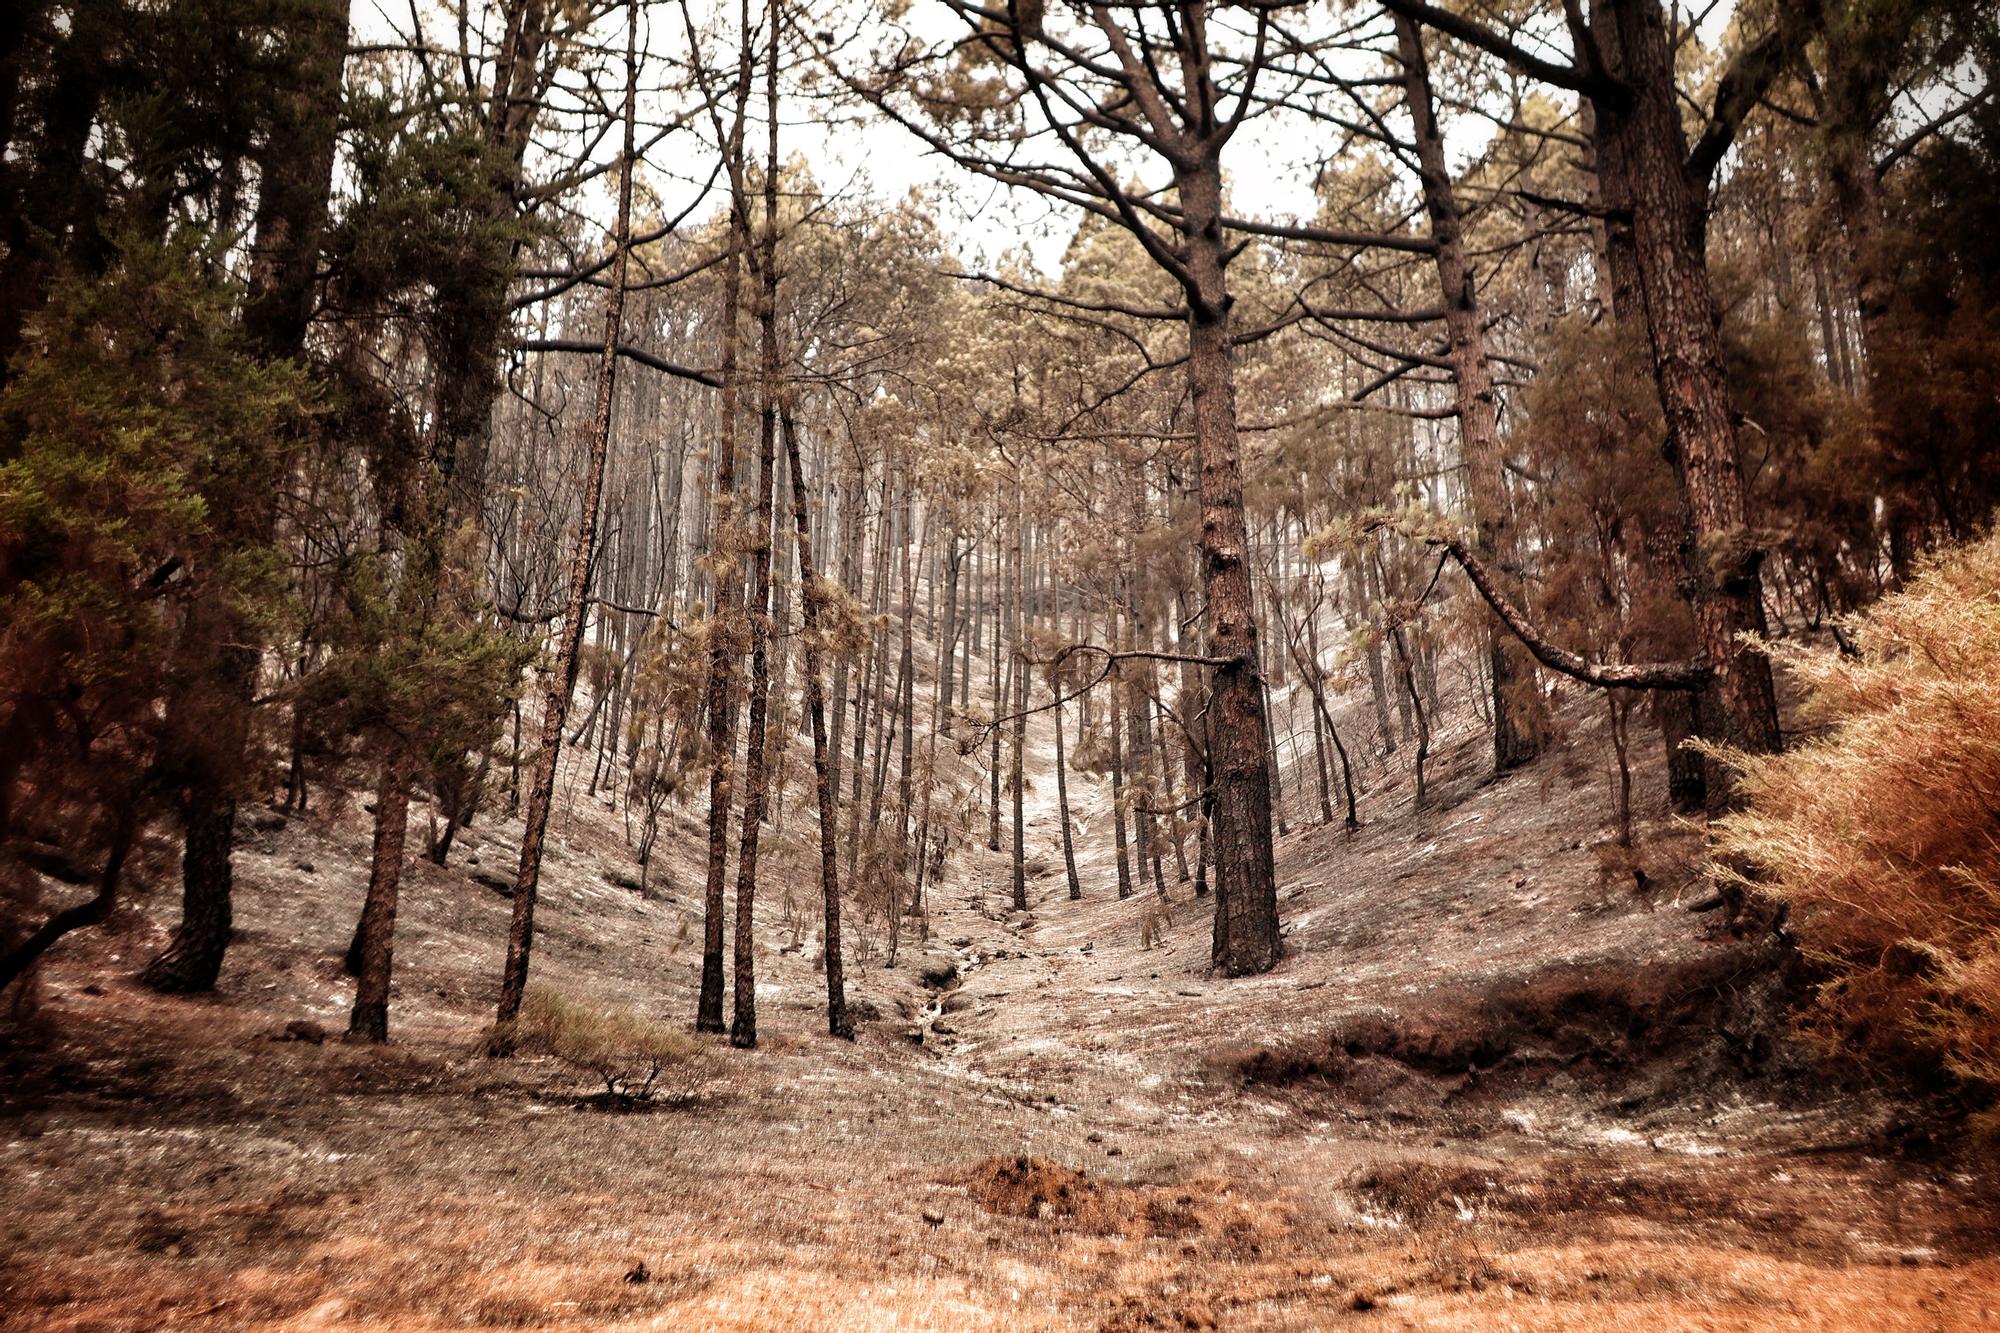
{"x":641,"y":1061}
{"x":1882,"y":832}
{"x":1136,"y":1313}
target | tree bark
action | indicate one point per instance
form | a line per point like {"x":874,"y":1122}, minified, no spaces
{"x":1642,"y":152}
{"x":756,"y":776}
{"x":1114,"y":716}
{"x":373,"y":950}
{"x":1062,"y":802}
{"x":1517,"y":726}
{"x":725,"y":635}
{"x":192,"y":960}
{"x":1015,"y":778}
{"x":297,"y":173}
{"x":563,"y":672}
{"x":907,"y":672}
{"x":1246,"y":889}
{"x":993,"y":756}
{"x":812,"y":600}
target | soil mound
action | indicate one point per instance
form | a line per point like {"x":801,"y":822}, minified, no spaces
{"x":1045,"y":1191}
{"x":1618,"y":1034}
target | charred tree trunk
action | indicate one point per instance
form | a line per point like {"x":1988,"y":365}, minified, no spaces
{"x":1408,"y":672}
{"x":993,"y":757}
{"x":812,"y":598}
{"x":1191,"y":704}
{"x":1062,"y":802}
{"x":563,"y":672}
{"x":1246,"y":889}
{"x":1517,"y":725}
{"x":1114,"y":714}
{"x":906,"y":674}
{"x":725,"y":635}
{"x":297,"y":173}
{"x":1643,"y":159}
{"x":1015,"y":778}
{"x":373,"y":949}
{"x":756,"y":775}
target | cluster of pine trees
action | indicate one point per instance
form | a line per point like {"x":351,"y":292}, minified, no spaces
{"x":442,"y":412}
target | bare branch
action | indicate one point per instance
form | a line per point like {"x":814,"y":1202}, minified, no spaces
{"x":1616,"y":675}
{"x":626,"y":350}
{"x":1485,"y":39}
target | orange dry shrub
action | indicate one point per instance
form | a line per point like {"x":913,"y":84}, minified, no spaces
{"x":1883,"y":831}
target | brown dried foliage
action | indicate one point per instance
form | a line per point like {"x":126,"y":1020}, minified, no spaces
{"x":1881,"y":830}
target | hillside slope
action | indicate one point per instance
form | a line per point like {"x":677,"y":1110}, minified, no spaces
{"x":1491,"y":1085}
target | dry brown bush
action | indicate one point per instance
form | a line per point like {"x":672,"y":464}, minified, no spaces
{"x":1417,"y":1190}
{"x":639,"y":1059}
{"x":1041,"y":1190}
{"x":1883,"y":831}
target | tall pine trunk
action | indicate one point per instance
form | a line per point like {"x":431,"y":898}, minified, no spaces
{"x":576,"y":610}
{"x":1015,"y":778}
{"x":214,"y":715}
{"x":812,"y":601}
{"x":1246,"y":886}
{"x":1517,"y":721}
{"x":1642,"y":159}
{"x":756,"y":760}
{"x":725,"y":632}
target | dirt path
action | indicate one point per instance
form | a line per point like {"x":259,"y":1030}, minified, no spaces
{"x":1091,"y":1134}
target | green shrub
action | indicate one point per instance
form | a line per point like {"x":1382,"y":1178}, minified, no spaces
{"x":1883,"y":830}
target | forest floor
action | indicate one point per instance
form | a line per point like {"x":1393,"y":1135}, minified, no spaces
{"x":1495,"y":1083}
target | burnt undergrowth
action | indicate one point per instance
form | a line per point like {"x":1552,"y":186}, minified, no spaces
{"x":1625,"y":1036}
